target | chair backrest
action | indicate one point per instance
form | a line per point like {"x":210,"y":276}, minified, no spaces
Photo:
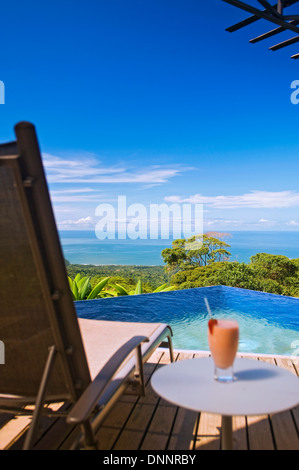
{"x":36,"y":307}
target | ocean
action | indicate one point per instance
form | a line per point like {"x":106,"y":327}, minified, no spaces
{"x":83,"y":247}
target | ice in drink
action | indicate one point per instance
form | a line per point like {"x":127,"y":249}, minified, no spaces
{"x":223,"y":336}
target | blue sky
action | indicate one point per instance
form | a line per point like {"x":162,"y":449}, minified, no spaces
{"x":155,"y":101}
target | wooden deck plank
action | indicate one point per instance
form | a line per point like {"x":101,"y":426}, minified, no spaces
{"x":125,"y":425}
{"x":109,"y":431}
{"x":208,"y":432}
{"x":184,"y":430}
{"x":284,"y":430}
{"x":140,"y":420}
{"x":13,"y":430}
{"x":157,"y":435}
{"x":295,"y":413}
{"x":51,"y":431}
{"x":285,"y":433}
{"x":135,"y":428}
{"x":287,"y":364}
{"x":131,"y":437}
{"x":259,"y":433}
{"x":239,"y":433}
{"x":163,"y":420}
{"x":151,"y":423}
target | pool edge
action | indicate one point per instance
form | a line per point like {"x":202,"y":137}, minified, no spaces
{"x":240,"y":353}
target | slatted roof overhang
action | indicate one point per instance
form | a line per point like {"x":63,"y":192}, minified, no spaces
{"x":274,"y":14}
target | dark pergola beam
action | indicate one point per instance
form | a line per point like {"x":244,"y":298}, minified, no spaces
{"x":288,"y":42}
{"x":280,"y":6}
{"x":241,"y":24}
{"x":272,"y":13}
{"x":262,"y":14}
{"x":259,"y":14}
{"x":253,"y":18}
{"x":270,"y":33}
{"x":270,"y":8}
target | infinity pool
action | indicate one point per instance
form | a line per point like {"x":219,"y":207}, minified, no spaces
{"x":268,"y":323}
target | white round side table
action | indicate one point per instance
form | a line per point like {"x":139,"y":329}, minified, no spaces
{"x":260,"y":388}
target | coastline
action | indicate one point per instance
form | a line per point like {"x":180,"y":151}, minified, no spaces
{"x":83,"y":247}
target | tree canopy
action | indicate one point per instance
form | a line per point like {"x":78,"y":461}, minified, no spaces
{"x":268,"y":273}
{"x":198,"y":250}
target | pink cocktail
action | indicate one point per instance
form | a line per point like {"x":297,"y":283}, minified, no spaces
{"x":223,"y":336}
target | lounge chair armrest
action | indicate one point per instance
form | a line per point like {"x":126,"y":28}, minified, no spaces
{"x":83,"y":408}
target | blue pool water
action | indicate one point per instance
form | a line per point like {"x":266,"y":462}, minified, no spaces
{"x":268,"y":323}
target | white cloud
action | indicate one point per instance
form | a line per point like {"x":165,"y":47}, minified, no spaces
{"x":253,"y":199}
{"x":71,"y":191}
{"x":83,"y":221}
{"x":222,"y":223}
{"x":76,"y":195}
{"x":293,"y":223}
{"x":89,"y":170}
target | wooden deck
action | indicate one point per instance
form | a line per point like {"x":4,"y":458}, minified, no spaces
{"x":151,"y":423}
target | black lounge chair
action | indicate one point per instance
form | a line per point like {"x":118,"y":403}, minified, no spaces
{"x":51,"y":356}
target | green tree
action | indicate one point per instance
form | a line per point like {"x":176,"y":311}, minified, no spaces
{"x":276,"y":267}
{"x":201,"y":276}
{"x":268,"y":273}
{"x":199,"y":250}
{"x":236,"y":275}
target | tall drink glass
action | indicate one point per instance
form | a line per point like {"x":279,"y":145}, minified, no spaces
{"x":223,"y":337}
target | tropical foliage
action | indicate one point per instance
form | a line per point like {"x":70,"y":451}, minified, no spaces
{"x":126,"y":275}
{"x":265,"y":272}
{"x":120,"y":290}
{"x":81,"y":288}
